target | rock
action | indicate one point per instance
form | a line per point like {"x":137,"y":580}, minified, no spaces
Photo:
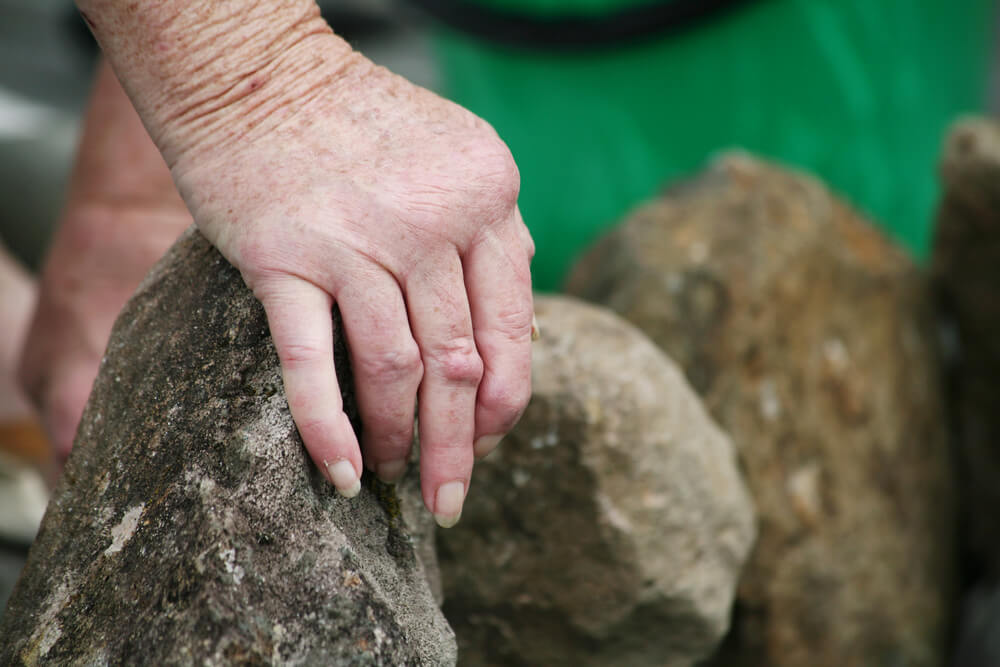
{"x":610,"y":526}
{"x":978,"y":641}
{"x":189,"y":526}
{"x":810,"y":339}
{"x":966,"y":274}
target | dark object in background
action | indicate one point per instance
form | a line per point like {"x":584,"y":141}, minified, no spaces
{"x":810,"y":338}
{"x":583,"y":31}
{"x":966,"y":277}
{"x":189,"y":526}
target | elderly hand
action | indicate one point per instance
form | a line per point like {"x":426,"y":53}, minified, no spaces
{"x":400,"y":208}
{"x":327,"y":180}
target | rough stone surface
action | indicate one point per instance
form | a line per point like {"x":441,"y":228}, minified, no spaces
{"x":966,"y":272}
{"x":610,"y":526}
{"x":189,"y":526}
{"x":811,"y":340}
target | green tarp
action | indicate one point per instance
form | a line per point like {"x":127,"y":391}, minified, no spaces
{"x":857,"y":91}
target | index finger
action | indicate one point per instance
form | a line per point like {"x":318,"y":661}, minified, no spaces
{"x":300,"y":316}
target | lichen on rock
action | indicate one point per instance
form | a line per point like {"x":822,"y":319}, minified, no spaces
{"x":189,"y":525}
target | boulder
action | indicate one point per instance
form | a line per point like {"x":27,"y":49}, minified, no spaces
{"x":810,"y":338}
{"x":610,"y":526}
{"x":189,"y":527}
{"x":966,"y":274}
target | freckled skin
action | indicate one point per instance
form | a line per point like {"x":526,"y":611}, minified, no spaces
{"x":325,"y":179}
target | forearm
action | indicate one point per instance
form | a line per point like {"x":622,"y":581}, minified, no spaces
{"x":122,"y":209}
{"x":117,"y":163}
{"x":206,"y":73}
{"x":121,"y":214}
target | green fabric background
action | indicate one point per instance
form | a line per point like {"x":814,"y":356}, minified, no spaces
{"x":857,"y":91}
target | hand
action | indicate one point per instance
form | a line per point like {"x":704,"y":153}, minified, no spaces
{"x":360,"y":189}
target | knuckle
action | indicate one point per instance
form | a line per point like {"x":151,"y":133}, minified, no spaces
{"x":254,"y":253}
{"x":506,"y":179}
{"x":262,"y":260}
{"x":458,"y":362}
{"x":506,"y":399}
{"x":497,"y":181}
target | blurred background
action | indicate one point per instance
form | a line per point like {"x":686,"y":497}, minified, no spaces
{"x":599,"y":114}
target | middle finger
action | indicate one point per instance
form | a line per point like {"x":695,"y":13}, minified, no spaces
{"x":442,"y":326}
{"x":386,"y":364}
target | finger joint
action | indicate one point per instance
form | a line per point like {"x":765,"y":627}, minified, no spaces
{"x":458,"y":362}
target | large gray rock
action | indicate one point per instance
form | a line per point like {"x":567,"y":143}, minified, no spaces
{"x":610,"y":526}
{"x":189,"y":526}
{"x":811,"y":339}
{"x":966,"y":271}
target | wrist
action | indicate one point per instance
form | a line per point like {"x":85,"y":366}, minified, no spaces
{"x":206,"y":74}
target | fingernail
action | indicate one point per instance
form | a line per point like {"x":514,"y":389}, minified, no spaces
{"x":344,"y":477}
{"x":390,"y":471}
{"x":448,"y":503}
{"x":536,"y":333}
{"x":485,"y":445}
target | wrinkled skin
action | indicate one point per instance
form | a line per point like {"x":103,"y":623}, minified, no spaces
{"x":327,"y":180}
{"x":410,"y":225}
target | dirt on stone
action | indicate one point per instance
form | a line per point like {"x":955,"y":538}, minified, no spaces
{"x":189,"y":526}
